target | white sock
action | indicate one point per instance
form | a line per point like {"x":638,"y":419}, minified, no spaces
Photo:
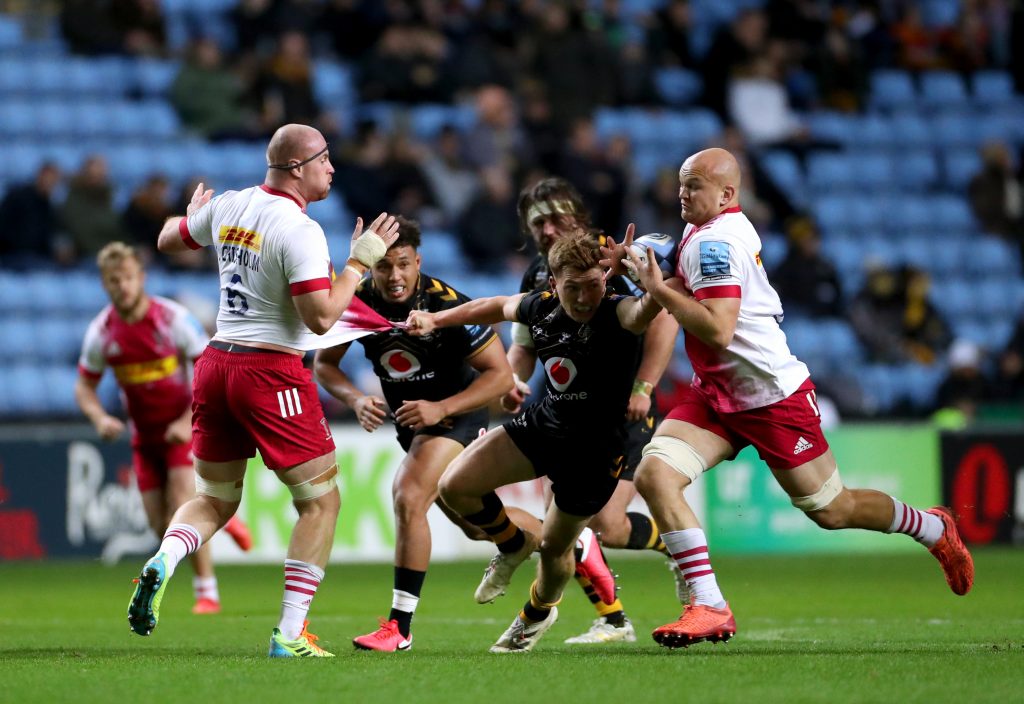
{"x":404,"y":601}
{"x":180,"y":541}
{"x":205,"y":588}
{"x":924,"y":527}
{"x":300,"y":582}
{"x":689,"y":548}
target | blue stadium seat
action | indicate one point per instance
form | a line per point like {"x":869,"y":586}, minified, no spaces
{"x":59,"y":339}
{"x":833,"y":213}
{"x":26,"y":395}
{"x":990,"y":87}
{"x":442,"y":253}
{"x":332,"y":82}
{"x":919,"y":383}
{"x":959,"y":166}
{"x":784,"y":170}
{"x":956,"y":129}
{"x":84,"y":295}
{"x":873,"y":171}
{"x":678,"y":86}
{"x":942,"y":89}
{"x":59,"y":386}
{"x":46,"y":292}
{"x":154,"y":77}
{"x":10,"y":32}
{"x":880,"y":384}
{"x":916,"y":171}
{"x":953,"y":215}
{"x":833,"y":126}
{"x":991,"y":256}
{"x":892,"y":89}
{"x":831,"y":171}
{"x":426,"y":121}
{"x":911,"y":130}
{"x":866,"y":213}
{"x":911,"y":215}
{"x":954,"y":297}
{"x":18,"y":117}
{"x":19,"y":341}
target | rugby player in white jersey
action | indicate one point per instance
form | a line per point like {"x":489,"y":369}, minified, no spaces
{"x":278,"y":295}
{"x":748,"y":389}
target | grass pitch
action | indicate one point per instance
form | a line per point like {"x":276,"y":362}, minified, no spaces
{"x":811,"y":629}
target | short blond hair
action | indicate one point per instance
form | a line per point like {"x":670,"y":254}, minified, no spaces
{"x":577,"y":251}
{"x":115,"y":253}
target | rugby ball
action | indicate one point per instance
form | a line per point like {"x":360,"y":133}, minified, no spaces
{"x":664,"y":252}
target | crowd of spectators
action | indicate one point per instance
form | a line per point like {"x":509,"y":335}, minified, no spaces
{"x":534,"y":72}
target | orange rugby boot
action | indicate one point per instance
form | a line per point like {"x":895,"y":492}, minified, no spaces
{"x":952,"y":554}
{"x":697,"y":623}
{"x":239,"y":532}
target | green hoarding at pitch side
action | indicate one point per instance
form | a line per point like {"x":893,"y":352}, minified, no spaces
{"x":747,"y":511}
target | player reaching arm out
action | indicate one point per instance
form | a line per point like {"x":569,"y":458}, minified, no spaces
{"x":371,"y":411}
{"x":712,"y":320}
{"x":107,"y":426}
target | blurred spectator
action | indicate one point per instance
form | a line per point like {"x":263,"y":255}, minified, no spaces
{"x":668,"y":37}
{"x":408,"y":64}
{"x":759,"y":104}
{"x":360,"y":174}
{"x":1009,"y":381}
{"x":635,"y":77}
{"x":917,"y":44}
{"x":895,"y":320}
{"x":146,"y":212}
{"x":965,"y":387}
{"x":353,"y":25}
{"x":566,"y":57}
{"x":659,"y":209}
{"x":284,"y":85}
{"x":734,"y":45}
{"x":764,"y":203}
{"x":600,"y":181}
{"x":88,"y":214}
{"x":88,"y":27}
{"x":410,"y":191}
{"x":806,"y":281}
{"x":209,"y":96}
{"x":497,"y":139}
{"x":996,"y":196}
{"x":29,"y":235}
{"x":453,"y":182}
{"x":255,"y":25}
{"x":866,"y":28}
{"x":488,"y":230}
{"x":141,"y":26}
{"x":542,"y":134}
{"x":842,"y":76}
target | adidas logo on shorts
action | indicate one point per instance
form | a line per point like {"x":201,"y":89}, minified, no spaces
{"x":801,"y":445}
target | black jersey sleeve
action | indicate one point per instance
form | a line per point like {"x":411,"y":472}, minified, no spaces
{"x":534,"y":307}
{"x":444,"y":297}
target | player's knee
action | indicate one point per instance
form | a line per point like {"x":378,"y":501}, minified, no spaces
{"x":830,"y":506}
{"x":409,"y":504}
{"x":553,"y":550}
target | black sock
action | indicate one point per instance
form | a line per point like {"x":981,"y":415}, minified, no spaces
{"x":505,"y":534}
{"x":410,"y":582}
{"x":643,"y":534}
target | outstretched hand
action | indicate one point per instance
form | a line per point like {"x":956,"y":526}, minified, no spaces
{"x":613,"y":254}
{"x":384,"y":226}
{"x":420,"y":323}
{"x":643,"y":269}
{"x":200,"y":198}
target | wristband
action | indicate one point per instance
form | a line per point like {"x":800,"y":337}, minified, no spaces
{"x":349,"y":267}
{"x":644,"y":388}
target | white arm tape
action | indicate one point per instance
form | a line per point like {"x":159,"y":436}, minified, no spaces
{"x":369,"y":248}
{"x":677,"y":454}
{"x":820,"y":499}
{"x":225,"y":491}
{"x":521,"y":335}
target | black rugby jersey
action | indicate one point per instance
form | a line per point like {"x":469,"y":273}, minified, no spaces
{"x":428,"y":368}
{"x":589,"y":367}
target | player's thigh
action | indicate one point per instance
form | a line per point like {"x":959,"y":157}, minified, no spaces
{"x":488,"y":463}
{"x":710,"y":445}
{"x":308,"y":470}
{"x":423,"y":465}
{"x":561,"y":530}
{"x":655,"y":471}
{"x":807,"y":478}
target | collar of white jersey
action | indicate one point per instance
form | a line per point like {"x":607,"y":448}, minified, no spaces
{"x":274,"y":192}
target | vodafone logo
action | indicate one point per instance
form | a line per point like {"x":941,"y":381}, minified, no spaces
{"x":400,"y":364}
{"x":561,"y":371}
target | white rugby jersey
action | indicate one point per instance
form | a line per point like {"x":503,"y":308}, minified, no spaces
{"x":268,"y":250}
{"x":722,"y":259}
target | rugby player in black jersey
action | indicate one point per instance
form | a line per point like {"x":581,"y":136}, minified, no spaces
{"x":549,"y":210}
{"x":574,"y":435}
{"x":438,"y":387}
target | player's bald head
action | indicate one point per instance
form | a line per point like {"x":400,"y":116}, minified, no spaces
{"x":716,"y":165}
{"x":294,"y":142}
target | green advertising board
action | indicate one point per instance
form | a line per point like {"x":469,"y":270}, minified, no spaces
{"x":747,"y":512}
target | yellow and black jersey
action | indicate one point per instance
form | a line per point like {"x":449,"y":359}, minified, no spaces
{"x":589,"y":367}
{"x":429,"y":368}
